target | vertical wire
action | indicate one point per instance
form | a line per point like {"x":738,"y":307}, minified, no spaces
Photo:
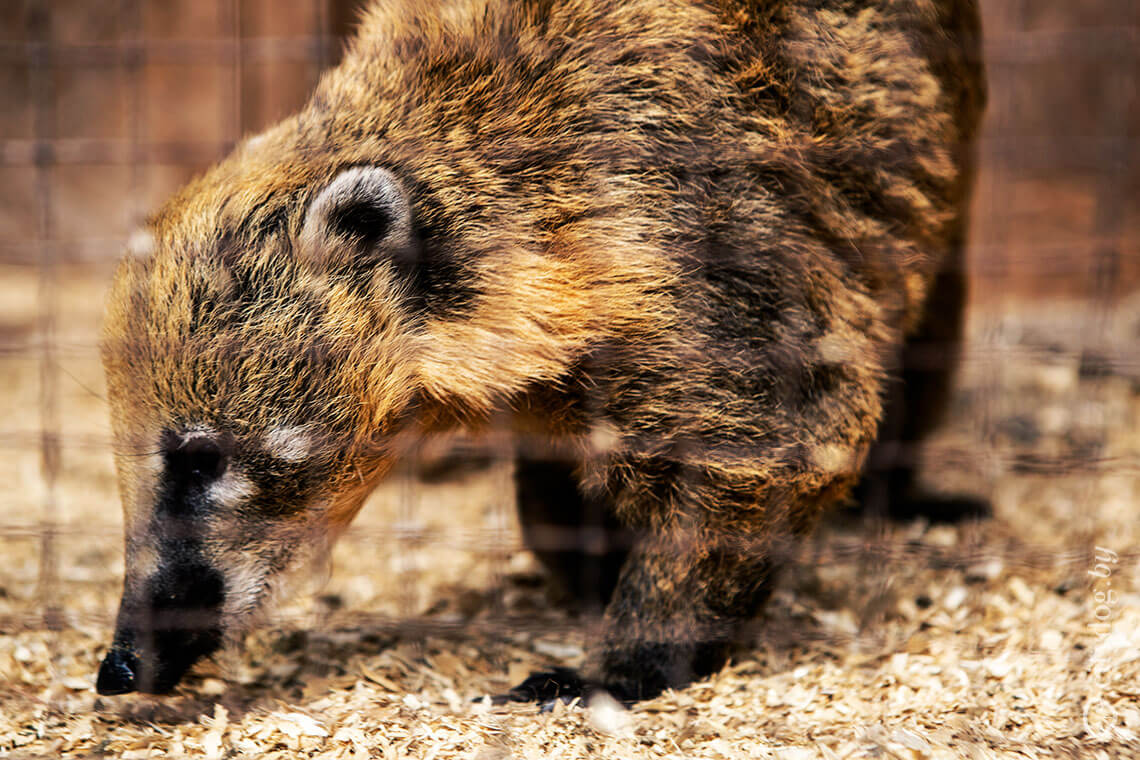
{"x":1119,"y":156}
{"x":996,"y":330}
{"x":236,"y":126}
{"x":409,"y":544}
{"x":406,"y":543}
{"x":43,"y":93}
{"x":132,"y":58}
{"x":500,"y":538}
{"x":321,"y":20}
{"x":1113,"y":162}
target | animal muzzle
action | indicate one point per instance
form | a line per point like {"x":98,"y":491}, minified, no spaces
{"x":162,"y":629}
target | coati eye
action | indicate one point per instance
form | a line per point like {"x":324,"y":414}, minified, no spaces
{"x":194,"y":457}
{"x":364,"y":206}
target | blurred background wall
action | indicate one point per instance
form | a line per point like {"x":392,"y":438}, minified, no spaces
{"x":1057,"y":208}
{"x":105,"y":108}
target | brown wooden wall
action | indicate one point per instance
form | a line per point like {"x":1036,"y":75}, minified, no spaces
{"x":1057,"y":207}
{"x":105,"y":108}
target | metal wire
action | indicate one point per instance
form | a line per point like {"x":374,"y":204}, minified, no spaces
{"x":1096,"y":263}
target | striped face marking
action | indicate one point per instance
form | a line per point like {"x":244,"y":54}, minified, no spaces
{"x":231,"y":490}
{"x":289,"y":443}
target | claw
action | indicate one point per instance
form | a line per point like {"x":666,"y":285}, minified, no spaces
{"x":562,"y":684}
{"x":548,"y":685}
{"x":549,"y":705}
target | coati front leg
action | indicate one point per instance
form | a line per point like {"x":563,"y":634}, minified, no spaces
{"x":678,"y":606}
{"x":710,"y":543}
{"x":704,"y":556}
{"x":715,"y":473}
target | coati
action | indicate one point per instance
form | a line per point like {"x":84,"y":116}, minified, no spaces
{"x":679,"y":244}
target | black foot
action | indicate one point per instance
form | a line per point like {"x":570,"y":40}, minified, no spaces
{"x":560,"y":683}
{"x":547,"y":685}
{"x":940,"y":509}
{"x":638,"y":671}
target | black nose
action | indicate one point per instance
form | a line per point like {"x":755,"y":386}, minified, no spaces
{"x":118,"y":673}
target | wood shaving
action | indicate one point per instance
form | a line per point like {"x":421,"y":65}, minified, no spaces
{"x":983,"y":639}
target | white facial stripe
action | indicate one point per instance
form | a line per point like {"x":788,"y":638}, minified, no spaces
{"x":144,"y":560}
{"x":231,"y":489}
{"x":293,"y":444}
{"x":245,"y":585}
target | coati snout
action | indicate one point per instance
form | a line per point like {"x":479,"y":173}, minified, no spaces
{"x":170,"y":616}
{"x":680,"y":246}
{"x":174,"y":622}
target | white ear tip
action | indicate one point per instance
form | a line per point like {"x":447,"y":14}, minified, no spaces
{"x":372,"y":185}
{"x":364,"y":176}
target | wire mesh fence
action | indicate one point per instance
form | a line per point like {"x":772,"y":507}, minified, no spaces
{"x":104,"y":111}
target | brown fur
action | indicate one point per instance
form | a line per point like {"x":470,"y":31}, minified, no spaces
{"x":683,"y":242}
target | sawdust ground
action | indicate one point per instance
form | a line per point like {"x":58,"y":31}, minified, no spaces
{"x":1007,"y":637}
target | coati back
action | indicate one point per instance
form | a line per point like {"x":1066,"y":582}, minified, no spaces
{"x":681,"y":244}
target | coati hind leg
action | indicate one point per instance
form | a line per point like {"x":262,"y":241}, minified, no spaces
{"x":581,"y":543}
{"x":916,"y":404}
{"x":576,"y":536}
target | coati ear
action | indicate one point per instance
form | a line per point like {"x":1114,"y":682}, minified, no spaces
{"x":362,"y":217}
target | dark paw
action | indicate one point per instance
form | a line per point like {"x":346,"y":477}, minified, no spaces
{"x":643,"y":669}
{"x":940,"y":509}
{"x":561,"y":684}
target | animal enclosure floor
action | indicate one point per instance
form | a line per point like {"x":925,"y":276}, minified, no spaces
{"x":1014,"y":636}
